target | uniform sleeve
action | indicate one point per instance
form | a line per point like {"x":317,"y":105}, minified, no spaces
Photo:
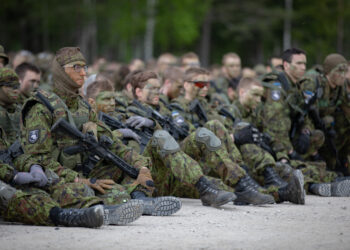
{"x":39,"y":145}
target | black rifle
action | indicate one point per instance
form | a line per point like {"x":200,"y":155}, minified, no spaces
{"x":196,"y":107}
{"x":8,"y":155}
{"x":145,"y":134}
{"x":223,"y":111}
{"x":97,"y":150}
{"x":166,"y":122}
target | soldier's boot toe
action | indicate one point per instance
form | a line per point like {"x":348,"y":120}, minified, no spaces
{"x":210,"y":195}
{"x":294,"y":192}
{"x":124,"y":213}
{"x":341,"y":188}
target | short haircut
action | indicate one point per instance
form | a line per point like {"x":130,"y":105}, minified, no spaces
{"x":98,"y":86}
{"x":192,"y":72}
{"x":173,"y":74}
{"x":164,"y":56}
{"x":24,"y":67}
{"x":190,"y":55}
{"x":139,"y":80}
{"x":248,"y":82}
{"x":288,"y":53}
{"x":128,"y":77}
{"x":228,"y":55}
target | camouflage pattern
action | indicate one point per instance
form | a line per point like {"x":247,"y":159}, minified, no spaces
{"x":3,"y":55}
{"x":8,"y":77}
{"x":46,"y":150}
{"x":69,"y":55}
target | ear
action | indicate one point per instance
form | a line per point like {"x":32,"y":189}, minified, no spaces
{"x":138,"y":93}
{"x":241,"y":91}
{"x":128,"y":87}
{"x":285,"y":65}
{"x":91,"y":102}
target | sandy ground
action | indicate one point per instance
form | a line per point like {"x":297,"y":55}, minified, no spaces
{"x":323,"y":223}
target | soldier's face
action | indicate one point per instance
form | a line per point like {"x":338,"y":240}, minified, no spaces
{"x":251,"y":96}
{"x":189,"y":63}
{"x":296,"y":68}
{"x":105,"y":101}
{"x":8,"y":94}
{"x":77,"y":73}
{"x":338,"y":75}
{"x":150,"y":92}
{"x":175,"y":89}
{"x":29,"y":82}
{"x":233,"y":67}
{"x":194,"y":87}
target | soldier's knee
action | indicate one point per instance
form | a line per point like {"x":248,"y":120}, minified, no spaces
{"x":208,"y":138}
{"x":166,"y":143}
{"x":214,"y":125}
{"x":6,"y":194}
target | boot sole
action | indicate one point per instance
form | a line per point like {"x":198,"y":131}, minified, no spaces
{"x":341,"y":189}
{"x":323,"y":189}
{"x":162,"y":206}
{"x":300,"y":177}
{"x":125,"y":213}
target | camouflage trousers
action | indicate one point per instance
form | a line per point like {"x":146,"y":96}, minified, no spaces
{"x":220,"y":163}
{"x":174,"y":173}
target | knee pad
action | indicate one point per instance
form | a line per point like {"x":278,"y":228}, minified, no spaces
{"x":208,"y":138}
{"x":166,"y":143}
{"x":6,"y":194}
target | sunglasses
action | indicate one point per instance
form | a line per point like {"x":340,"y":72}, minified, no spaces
{"x":200,"y":84}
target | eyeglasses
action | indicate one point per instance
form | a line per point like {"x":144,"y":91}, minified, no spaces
{"x":200,"y":84}
{"x":77,"y":68}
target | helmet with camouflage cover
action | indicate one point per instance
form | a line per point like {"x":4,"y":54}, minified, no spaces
{"x":8,"y":77}
{"x":3,"y":55}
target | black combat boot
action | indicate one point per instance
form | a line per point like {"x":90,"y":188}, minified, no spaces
{"x":158,"y":206}
{"x":123,"y":213}
{"x":272,"y":178}
{"x":294,"y":191}
{"x":85,"y":217}
{"x":339,"y":188}
{"x":247,"y":191}
{"x":210,"y":195}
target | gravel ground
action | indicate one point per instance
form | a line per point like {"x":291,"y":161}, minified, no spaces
{"x":323,"y":223}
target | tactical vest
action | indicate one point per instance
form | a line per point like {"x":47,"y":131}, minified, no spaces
{"x":10,"y":123}
{"x":58,"y":110}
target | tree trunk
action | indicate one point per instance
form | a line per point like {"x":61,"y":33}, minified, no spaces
{"x":205,"y":40}
{"x":287,"y":29}
{"x":150,"y":24}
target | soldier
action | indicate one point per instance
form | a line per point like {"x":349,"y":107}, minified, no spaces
{"x":4,"y":60}
{"x":165,"y":61}
{"x":330,"y":104}
{"x":174,"y":172}
{"x":29,"y":78}
{"x":189,"y":60}
{"x":76,"y":195}
{"x":172,"y":84}
{"x":45,"y":147}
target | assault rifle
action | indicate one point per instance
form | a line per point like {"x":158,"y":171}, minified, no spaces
{"x":96,"y":150}
{"x":196,"y":107}
{"x":145,"y":134}
{"x":166,"y":122}
{"x":8,"y":155}
{"x":223,"y":111}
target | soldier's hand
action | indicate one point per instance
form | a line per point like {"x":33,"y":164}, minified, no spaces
{"x":145,"y":179}
{"x":36,"y":176}
{"x":139,"y":122}
{"x":98,"y":184}
{"x":243,"y":136}
{"x":128,"y":133}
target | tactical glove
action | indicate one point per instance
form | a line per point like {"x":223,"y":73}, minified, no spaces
{"x":128,"y":133}
{"x":139,"y":122}
{"x":99,"y":185}
{"x":244,"y":136}
{"x":36,"y":175}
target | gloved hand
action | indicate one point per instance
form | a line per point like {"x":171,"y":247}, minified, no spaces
{"x":145,"y":179}
{"x":128,"y":133}
{"x":295,"y":156}
{"x":244,"y":136}
{"x":139,"y":122}
{"x":36,"y":175}
{"x":97,"y":184}
{"x":303,"y":143}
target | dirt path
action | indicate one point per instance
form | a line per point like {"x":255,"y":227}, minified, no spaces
{"x":323,"y":223}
